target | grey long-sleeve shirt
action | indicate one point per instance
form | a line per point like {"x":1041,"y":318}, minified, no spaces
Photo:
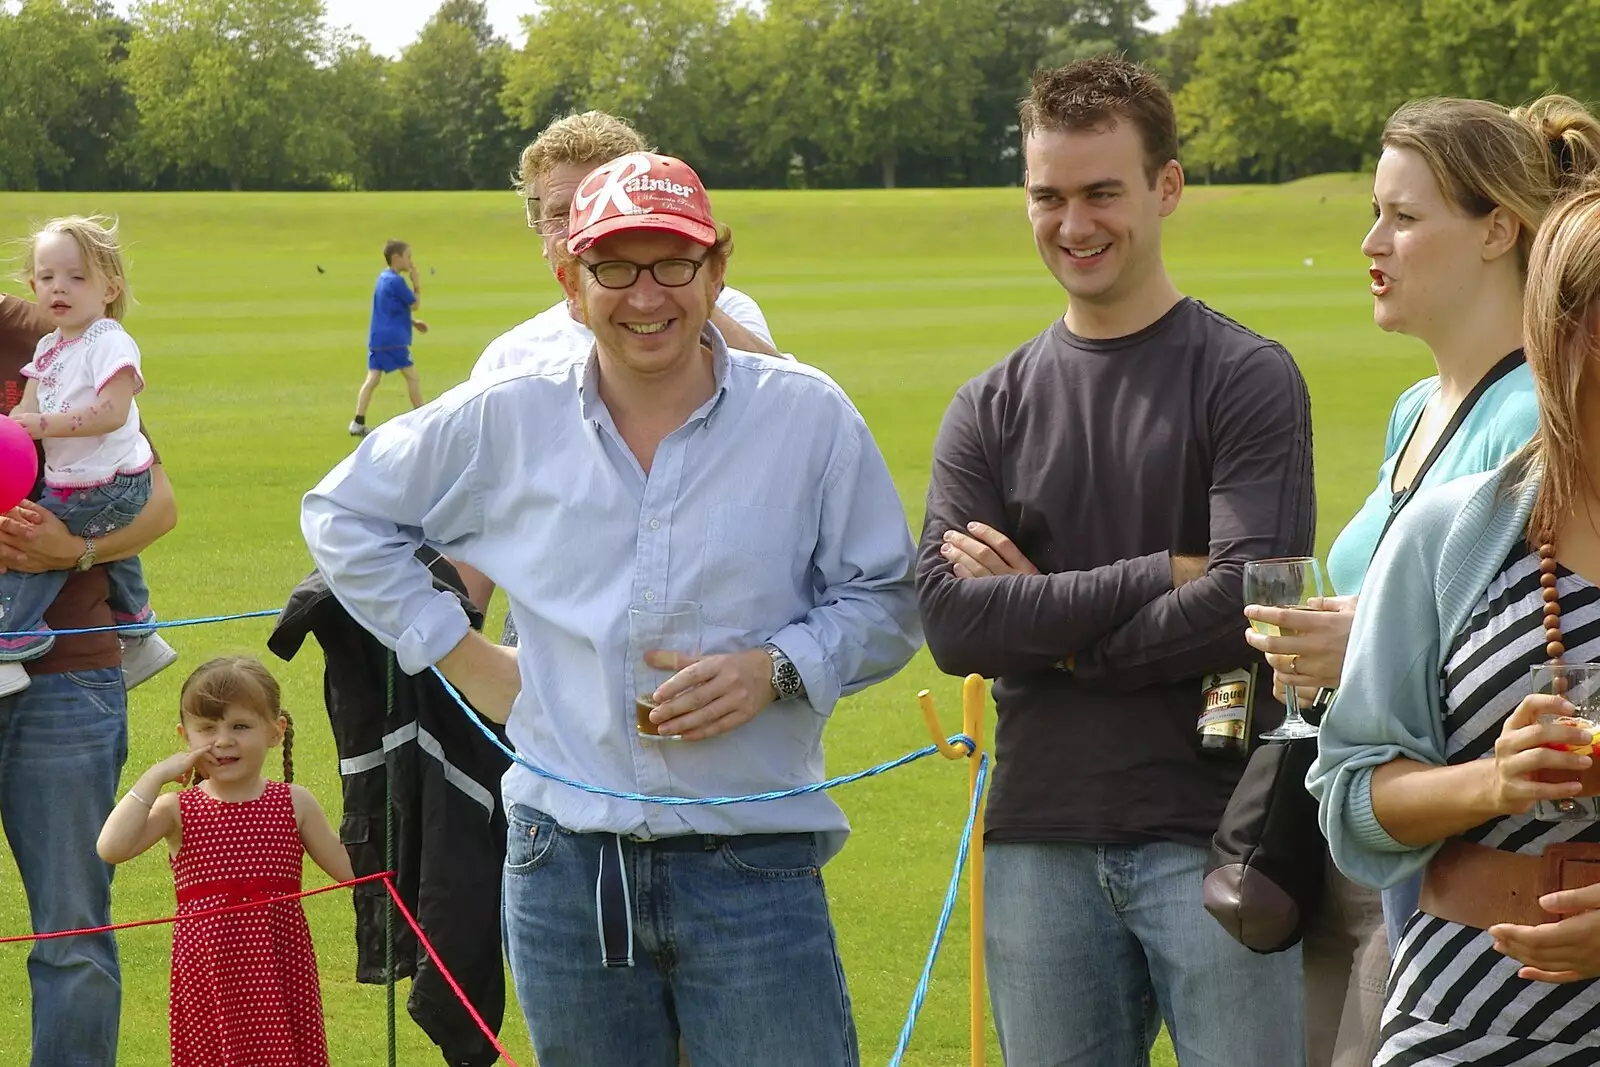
{"x":1101,"y":459}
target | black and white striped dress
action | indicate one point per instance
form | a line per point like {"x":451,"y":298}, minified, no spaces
{"x":1452,"y":998}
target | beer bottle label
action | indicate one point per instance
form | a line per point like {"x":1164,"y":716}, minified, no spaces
{"x":1225,"y":703}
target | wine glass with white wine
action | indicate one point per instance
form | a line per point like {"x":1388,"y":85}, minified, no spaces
{"x":1283,"y":583}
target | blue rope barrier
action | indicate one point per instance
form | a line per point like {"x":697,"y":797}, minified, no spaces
{"x":145,"y":626}
{"x":921,"y":993}
{"x":643,"y":798}
{"x":919,"y":996}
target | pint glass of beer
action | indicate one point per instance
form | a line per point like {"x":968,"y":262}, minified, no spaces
{"x":658,"y":626}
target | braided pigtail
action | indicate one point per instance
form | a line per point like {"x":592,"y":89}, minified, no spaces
{"x":288,"y":745}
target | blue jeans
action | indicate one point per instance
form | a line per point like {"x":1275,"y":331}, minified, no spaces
{"x":24,"y":598}
{"x":732,"y":947}
{"x":63,"y":741}
{"x":1400,"y":903}
{"x":1091,"y":947}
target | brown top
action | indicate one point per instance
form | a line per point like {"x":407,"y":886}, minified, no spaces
{"x":82,"y":601}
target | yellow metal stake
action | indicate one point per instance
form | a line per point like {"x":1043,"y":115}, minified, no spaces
{"x":972,"y":704}
{"x":972,"y":716}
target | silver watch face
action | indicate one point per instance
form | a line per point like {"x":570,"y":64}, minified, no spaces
{"x":785,"y":676}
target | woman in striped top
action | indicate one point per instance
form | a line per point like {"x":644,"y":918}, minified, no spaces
{"x":1433,"y":755}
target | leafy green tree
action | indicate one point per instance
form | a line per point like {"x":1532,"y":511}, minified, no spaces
{"x":880,"y":79}
{"x":1175,"y":53}
{"x":61,"y":103}
{"x":1361,"y":59}
{"x":648,"y":61}
{"x":1240,"y":113}
{"x":449,"y":81}
{"x":230,"y":89}
{"x":1098,"y":27}
{"x":364,"y":111}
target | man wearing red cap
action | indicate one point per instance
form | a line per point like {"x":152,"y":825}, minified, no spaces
{"x":661,"y":467}
{"x":549,"y":172}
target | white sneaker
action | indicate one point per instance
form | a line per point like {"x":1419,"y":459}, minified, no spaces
{"x":13,"y":678}
{"x":145,"y":657}
{"x":358,"y":429}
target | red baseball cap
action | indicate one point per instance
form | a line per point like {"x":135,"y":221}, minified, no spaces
{"x":642,"y":191}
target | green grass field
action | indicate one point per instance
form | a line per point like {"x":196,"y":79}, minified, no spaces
{"x":253,"y":359}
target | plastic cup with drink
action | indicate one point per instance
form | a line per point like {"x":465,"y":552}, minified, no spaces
{"x":1579,"y":684}
{"x":658,"y":626}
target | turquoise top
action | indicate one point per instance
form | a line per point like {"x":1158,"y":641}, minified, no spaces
{"x":1501,"y":422}
{"x":1430,"y":572}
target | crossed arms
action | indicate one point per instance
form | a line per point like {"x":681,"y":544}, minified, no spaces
{"x":1138,"y":621}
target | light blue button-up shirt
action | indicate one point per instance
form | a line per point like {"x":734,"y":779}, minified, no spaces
{"x":771,"y":506}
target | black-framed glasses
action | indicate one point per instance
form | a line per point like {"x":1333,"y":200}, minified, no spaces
{"x":620,"y":273}
{"x":553,"y":227}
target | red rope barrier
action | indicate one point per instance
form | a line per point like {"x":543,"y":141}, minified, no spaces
{"x":384,"y":876}
{"x":422,"y":939}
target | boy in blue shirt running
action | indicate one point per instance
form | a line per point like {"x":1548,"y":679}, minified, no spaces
{"x":389,"y":340}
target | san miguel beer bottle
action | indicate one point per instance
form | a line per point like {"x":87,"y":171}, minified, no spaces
{"x":1223,"y":729}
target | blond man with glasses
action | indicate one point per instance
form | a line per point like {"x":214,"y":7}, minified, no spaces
{"x":547,"y":175}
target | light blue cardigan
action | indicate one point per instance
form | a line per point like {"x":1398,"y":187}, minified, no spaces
{"x":1428,"y":575}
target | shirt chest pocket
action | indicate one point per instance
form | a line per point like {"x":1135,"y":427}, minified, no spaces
{"x":751,"y":563}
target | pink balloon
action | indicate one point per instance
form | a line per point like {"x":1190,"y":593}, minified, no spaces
{"x":19,"y":464}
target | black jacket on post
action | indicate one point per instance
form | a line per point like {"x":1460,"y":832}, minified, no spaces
{"x":449,"y":826}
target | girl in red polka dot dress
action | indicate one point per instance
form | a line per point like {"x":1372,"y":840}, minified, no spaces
{"x":244,"y":984}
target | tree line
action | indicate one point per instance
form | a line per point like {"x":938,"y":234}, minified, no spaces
{"x":264,"y":94}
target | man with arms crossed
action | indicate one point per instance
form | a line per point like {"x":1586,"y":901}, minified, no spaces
{"x":659,"y":467}
{"x":1093,"y":500}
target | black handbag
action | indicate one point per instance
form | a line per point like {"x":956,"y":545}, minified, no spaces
{"x":1265,"y":876}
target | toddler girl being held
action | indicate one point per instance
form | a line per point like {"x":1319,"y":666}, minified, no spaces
{"x":79,"y":403}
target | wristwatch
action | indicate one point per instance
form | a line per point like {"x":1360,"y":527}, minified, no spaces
{"x":86,"y":560}
{"x":785,"y":675}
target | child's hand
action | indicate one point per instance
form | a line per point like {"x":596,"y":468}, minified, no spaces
{"x":31,"y":422}
{"x":176,"y":768}
{"x":421,"y":326}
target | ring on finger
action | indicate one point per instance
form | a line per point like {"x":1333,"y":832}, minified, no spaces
{"x":1294,"y":663}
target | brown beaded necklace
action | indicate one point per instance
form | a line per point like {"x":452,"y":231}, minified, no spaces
{"x":1554,"y":644}
{"x":1553,"y":647}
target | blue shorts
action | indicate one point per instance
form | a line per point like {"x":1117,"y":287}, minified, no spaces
{"x":388,"y":359}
